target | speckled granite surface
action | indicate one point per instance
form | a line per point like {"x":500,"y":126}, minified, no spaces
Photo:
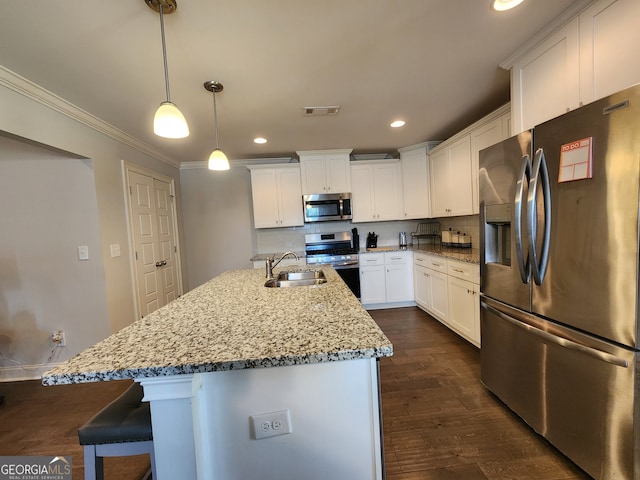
{"x":234,"y":322}
{"x":468,"y":255}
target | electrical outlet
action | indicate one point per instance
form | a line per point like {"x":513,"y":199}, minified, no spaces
{"x":270,"y":424}
{"x":58,"y":337}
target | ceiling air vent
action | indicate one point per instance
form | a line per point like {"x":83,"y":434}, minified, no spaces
{"x":320,"y":111}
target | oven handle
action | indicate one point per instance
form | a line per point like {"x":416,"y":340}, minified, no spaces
{"x":345,"y":264}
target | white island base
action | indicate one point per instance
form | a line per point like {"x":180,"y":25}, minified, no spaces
{"x":201,"y":423}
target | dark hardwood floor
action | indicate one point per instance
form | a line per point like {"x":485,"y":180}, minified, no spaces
{"x":440,"y":423}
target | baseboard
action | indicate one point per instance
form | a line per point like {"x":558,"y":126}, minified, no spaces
{"x":380,"y":306}
{"x":24,"y":372}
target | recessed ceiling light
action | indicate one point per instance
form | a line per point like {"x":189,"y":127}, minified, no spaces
{"x":397,"y":123}
{"x":502,"y":5}
{"x":259,"y":140}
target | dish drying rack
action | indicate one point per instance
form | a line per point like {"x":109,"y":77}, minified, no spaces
{"x":429,"y":231}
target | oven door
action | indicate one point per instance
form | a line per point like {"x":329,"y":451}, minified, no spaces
{"x":350,"y":274}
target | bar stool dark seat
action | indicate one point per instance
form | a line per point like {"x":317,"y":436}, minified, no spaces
{"x":122,"y":428}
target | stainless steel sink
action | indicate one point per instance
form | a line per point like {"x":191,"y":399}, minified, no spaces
{"x":297,"y":278}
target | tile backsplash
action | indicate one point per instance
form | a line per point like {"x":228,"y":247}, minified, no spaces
{"x":468,"y":224}
{"x":275,"y":240}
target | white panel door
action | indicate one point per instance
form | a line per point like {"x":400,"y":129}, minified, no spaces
{"x":167,"y":241}
{"x":144,"y":223}
{"x":154,"y":242}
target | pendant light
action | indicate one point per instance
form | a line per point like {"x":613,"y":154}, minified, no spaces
{"x":217,"y":160}
{"x":168,"y":121}
{"x":504,"y":5}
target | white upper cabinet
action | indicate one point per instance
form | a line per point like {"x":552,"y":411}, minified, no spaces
{"x":544,"y":81}
{"x":451,"y":178}
{"x":609,"y":41}
{"x":276,"y":195}
{"x":590,"y":57}
{"x":325,"y":171}
{"x":375,"y":191}
{"x":416,"y":201}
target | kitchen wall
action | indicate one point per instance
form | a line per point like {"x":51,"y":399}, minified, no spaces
{"x":49,"y":209}
{"x":218,"y":220}
{"x":31,"y":115}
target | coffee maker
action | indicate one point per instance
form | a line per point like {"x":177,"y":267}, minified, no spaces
{"x":372,"y":240}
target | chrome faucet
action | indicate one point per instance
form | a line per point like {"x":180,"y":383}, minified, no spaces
{"x":270,"y":265}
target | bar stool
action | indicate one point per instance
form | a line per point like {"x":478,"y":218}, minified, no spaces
{"x":122,"y":428}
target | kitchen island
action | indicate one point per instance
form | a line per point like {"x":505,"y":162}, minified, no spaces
{"x":232,"y":349}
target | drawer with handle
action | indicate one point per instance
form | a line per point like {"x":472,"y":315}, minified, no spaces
{"x":464,"y":271}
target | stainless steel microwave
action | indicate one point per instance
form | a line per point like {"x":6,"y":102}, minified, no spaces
{"x":327,"y":207}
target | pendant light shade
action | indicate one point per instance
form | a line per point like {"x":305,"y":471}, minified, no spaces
{"x":504,"y":5}
{"x":217,"y":160}
{"x":168,"y":121}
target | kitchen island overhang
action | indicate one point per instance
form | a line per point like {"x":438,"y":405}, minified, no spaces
{"x":231,"y":349}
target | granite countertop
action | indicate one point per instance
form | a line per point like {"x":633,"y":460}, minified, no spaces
{"x":468,"y":255}
{"x":233,"y":322}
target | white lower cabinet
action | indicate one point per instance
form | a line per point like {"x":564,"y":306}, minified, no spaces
{"x":430,"y":284}
{"x":372,"y":278}
{"x":386,"y":278}
{"x":449,"y":291}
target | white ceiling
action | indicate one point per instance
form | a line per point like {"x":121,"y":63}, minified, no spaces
{"x":433,"y":63}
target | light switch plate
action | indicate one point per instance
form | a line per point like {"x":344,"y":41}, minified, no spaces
{"x":115,"y":250}
{"x":83,"y":252}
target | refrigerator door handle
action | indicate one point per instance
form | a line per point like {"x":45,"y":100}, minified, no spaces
{"x":523,"y":263}
{"x":563,"y":342}
{"x":540,"y":173}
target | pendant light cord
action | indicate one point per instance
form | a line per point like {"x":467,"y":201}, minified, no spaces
{"x":164,"y":53}
{"x":215,"y":119}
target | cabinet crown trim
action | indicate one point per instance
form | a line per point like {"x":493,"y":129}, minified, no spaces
{"x":273,"y":165}
{"x":506,"y":108}
{"x":345,"y":151}
{"x":424,"y":145}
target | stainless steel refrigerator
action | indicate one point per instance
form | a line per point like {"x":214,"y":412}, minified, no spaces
{"x":559,"y":229}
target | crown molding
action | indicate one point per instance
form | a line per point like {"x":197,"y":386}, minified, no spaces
{"x":31,"y":90}
{"x":243,"y":162}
